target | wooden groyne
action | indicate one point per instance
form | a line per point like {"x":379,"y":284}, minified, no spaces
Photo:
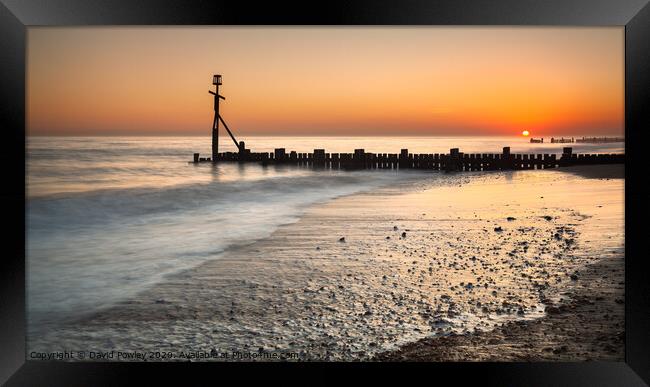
{"x":587,"y":140}
{"x":360,"y":159}
{"x":452,"y":161}
{"x":562,"y":140}
{"x":599,"y":140}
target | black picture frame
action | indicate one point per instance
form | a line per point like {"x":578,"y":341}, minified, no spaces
{"x":17,"y":15}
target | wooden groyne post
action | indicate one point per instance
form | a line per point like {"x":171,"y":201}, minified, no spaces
{"x":567,"y":153}
{"x":319,"y":158}
{"x":506,"y":161}
{"x":454,"y":163}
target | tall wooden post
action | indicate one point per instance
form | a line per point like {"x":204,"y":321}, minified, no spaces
{"x":216,"y":81}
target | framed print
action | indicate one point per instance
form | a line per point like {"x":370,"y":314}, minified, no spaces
{"x":369,"y":185}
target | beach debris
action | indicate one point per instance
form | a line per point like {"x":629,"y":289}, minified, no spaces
{"x":510,"y":218}
{"x":552,"y":310}
{"x":317,"y":247}
{"x":395,"y":228}
{"x":547,"y":217}
{"x":404,"y":234}
{"x":574,"y":277}
{"x":342,"y":239}
{"x":562,"y":349}
{"x":387,"y":237}
{"x":498,"y":229}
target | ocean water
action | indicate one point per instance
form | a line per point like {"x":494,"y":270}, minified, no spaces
{"x":108,"y":217}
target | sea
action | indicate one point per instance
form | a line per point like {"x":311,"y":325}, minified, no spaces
{"x":107,"y":217}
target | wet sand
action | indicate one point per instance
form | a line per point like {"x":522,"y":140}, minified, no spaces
{"x":480,"y":266}
{"x":614,"y":171}
{"x":588,"y":325}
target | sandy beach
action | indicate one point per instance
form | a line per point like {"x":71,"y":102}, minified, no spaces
{"x":587,"y":323}
{"x":520,"y":265}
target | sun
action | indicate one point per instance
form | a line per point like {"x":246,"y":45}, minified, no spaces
{"x":525,"y":133}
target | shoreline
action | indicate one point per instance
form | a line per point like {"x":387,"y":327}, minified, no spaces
{"x":303,"y":283}
{"x":597,"y":171}
{"x":568,"y":332}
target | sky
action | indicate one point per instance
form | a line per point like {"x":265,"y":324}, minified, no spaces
{"x":326,"y":80}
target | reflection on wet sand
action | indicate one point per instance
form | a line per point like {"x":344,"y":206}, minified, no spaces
{"x":429,"y":257}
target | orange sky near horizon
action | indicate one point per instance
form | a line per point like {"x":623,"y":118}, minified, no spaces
{"x":326,"y":80}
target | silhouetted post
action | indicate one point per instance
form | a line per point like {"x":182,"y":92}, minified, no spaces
{"x":216,"y":81}
{"x":242,"y":151}
{"x":335,"y":161}
{"x":319,"y":157}
{"x":505,"y":156}
{"x":358,"y":158}
{"x":454,"y":160}
{"x":403,"y":158}
{"x":196,"y":157}
{"x":279,"y":155}
{"x":566,"y":155}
